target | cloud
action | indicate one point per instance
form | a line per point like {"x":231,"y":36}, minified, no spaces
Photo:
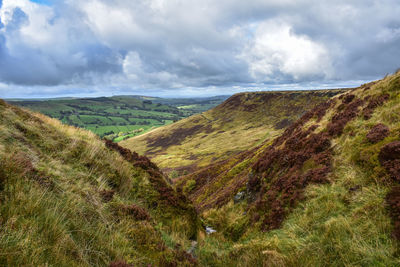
{"x":277,"y":53}
{"x":107,"y":45}
{"x":39,"y":47}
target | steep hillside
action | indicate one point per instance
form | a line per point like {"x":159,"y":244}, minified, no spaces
{"x":325,"y":192}
{"x":238,"y":124}
{"x":69,"y":199}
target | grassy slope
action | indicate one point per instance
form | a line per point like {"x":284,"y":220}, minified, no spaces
{"x":238,"y":124}
{"x":68,"y":200}
{"x":336,"y":218}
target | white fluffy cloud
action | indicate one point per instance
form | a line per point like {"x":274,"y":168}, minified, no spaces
{"x":106,"y":46}
{"x":276,"y":51}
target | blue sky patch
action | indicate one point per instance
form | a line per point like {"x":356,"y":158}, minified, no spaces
{"x":42,"y":2}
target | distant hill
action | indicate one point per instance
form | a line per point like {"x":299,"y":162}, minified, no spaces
{"x":69,"y":199}
{"x":188,"y":106}
{"x":240,"y":123}
{"x":118,"y":117}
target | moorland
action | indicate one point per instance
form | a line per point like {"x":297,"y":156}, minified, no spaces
{"x":240,"y":123}
{"x":323,"y":191}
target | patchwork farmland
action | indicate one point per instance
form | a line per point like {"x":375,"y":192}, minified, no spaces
{"x":119,"y":117}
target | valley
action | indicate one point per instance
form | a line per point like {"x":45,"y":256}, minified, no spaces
{"x":280,"y":179}
{"x":240,"y":123}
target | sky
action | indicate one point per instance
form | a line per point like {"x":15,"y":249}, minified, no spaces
{"x":173,"y":48}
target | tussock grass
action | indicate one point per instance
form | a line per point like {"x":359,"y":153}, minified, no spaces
{"x":51,"y":208}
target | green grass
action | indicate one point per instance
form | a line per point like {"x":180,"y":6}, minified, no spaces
{"x":138,"y":130}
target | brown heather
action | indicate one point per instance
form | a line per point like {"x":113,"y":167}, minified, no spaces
{"x":378,"y":133}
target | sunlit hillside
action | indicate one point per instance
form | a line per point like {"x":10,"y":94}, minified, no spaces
{"x":241,"y":122}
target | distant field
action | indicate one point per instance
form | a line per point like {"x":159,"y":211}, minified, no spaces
{"x":120,"y":117}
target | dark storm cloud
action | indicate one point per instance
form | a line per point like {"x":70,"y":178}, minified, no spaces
{"x":196,"y":44}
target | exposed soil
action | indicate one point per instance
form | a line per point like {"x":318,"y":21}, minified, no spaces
{"x":378,"y":133}
{"x":245,"y":101}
